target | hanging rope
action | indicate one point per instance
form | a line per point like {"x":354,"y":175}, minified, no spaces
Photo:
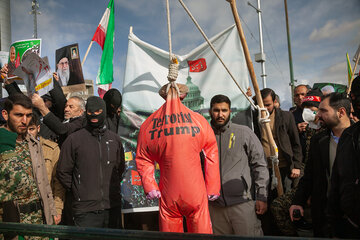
{"x":174,"y":64}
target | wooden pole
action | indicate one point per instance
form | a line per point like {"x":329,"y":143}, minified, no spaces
{"x":87,"y":52}
{"x":273,"y":147}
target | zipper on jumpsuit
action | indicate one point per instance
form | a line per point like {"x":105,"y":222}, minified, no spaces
{"x":221,"y":179}
{"x":101,"y":174}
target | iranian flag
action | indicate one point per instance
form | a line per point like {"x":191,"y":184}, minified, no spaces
{"x":104,"y":36}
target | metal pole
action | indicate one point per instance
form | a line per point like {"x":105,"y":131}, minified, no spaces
{"x":292,"y":85}
{"x":263,"y":75}
{"x":260,"y":57}
{"x":35,"y":12}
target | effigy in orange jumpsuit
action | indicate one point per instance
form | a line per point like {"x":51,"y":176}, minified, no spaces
{"x":174,"y":136}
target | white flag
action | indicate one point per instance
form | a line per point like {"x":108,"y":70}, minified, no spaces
{"x":147,"y":68}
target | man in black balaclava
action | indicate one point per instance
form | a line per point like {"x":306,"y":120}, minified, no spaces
{"x":95,"y":113}
{"x":91,"y":165}
{"x":344,"y":197}
{"x":113,"y":100}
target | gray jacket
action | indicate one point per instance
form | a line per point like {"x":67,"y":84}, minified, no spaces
{"x":243,"y":168}
{"x":40,"y":173}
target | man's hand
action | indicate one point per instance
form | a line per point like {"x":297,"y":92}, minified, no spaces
{"x":55,"y":76}
{"x":291,"y":211}
{"x":302,"y":127}
{"x":260,"y":207}
{"x":213,"y":197}
{"x":57,"y":219}
{"x":248,"y":92}
{"x":4,"y":72}
{"x":295,"y":173}
{"x":153,"y":194}
{"x":38,"y":102}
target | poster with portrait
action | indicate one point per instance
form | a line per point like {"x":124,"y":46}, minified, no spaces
{"x":68,"y":68}
{"x":4,"y":56}
{"x":36,"y":74}
{"x":19,"y":50}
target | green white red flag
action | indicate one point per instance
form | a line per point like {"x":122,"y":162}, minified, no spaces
{"x":104,"y":36}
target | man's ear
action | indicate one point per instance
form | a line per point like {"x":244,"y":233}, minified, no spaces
{"x":5,"y":114}
{"x":342,"y":112}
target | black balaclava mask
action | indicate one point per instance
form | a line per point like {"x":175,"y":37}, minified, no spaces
{"x":113,"y":101}
{"x":93,"y":104}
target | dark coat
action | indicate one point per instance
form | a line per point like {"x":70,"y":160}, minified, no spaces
{"x":112,"y":123}
{"x":91,"y":166}
{"x":314,"y":183}
{"x":63,"y":130}
{"x":344,"y":196}
{"x":58,"y":100}
{"x":288,"y":137}
{"x":74,"y":79}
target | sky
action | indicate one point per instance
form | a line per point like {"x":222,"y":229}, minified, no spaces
{"x":321,"y":32}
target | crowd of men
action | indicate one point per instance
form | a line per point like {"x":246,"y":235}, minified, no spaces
{"x":62,"y":162}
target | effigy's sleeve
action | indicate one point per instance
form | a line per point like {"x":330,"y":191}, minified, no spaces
{"x":211,"y":163}
{"x":145,"y":164}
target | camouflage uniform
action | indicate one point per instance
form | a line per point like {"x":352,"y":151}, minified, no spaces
{"x":280,"y":210}
{"x":17,"y":181}
{"x":280,"y":206}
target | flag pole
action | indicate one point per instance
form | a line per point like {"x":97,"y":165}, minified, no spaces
{"x":352,"y":77}
{"x":273,"y":147}
{"x":87,"y":52}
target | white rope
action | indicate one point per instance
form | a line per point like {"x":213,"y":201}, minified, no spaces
{"x":266,"y":118}
{"x":169,"y":29}
{"x":174,"y":65}
{"x":274,"y":180}
{"x":216,"y":53}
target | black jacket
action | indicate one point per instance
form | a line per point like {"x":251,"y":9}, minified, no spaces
{"x":112,"y":123}
{"x":63,"y":130}
{"x":344,"y":197}
{"x":288,"y":137}
{"x":58,"y":100}
{"x":314,"y":183}
{"x":91,"y":166}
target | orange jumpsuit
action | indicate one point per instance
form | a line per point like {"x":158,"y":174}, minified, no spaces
{"x":174,"y":136}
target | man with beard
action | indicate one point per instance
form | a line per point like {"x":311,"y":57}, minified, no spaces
{"x":91,"y":164}
{"x":344,"y":197}
{"x":290,"y":158}
{"x":25,"y":193}
{"x":334,"y":114}
{"x":63,"y":71}
{"x":242,"y":164}
{"x":286,"y":138}
{"x":67,"y":77}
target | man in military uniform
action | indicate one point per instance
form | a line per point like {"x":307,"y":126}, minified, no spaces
{"x":25,"y":193}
